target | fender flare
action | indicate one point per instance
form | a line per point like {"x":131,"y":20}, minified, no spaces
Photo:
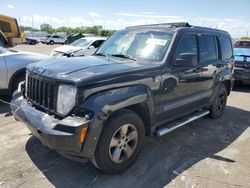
{"x":106,"y":103}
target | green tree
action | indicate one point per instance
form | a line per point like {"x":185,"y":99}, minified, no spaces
{"x":46,"y":27}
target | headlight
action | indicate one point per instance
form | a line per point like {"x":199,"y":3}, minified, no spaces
{"x":66,"y":98}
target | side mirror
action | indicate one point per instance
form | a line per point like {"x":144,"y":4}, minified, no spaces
{"x":186,"y":60}
{"x":91,"y":47}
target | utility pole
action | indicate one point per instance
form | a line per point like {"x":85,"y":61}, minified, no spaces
{"x":32,"y":22}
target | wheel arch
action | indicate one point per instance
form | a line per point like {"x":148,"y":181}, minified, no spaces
{"x":14,"y":76}
{"x":104,"y":106}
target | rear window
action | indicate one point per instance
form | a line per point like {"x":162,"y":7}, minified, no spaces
{"x":244,"y":44}
{"x":207,"y":50}
{"x":226,"y":48}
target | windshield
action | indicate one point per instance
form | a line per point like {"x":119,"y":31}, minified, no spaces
{"x":149,"y":45}
{"x":80,"y":43}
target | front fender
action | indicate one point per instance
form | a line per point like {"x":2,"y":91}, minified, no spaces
{"x":103,"y":105}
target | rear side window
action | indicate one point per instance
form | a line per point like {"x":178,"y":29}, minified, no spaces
{"x":226,"y":48}
{"x":207,"y":50}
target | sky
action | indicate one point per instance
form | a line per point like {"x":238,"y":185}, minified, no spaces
{"x":230,"y":15}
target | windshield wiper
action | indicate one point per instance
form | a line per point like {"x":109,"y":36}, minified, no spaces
{"x":123,"y":56}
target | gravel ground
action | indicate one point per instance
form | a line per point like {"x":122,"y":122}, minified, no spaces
{"x":205,"y":153}
{"x":38,"y":48}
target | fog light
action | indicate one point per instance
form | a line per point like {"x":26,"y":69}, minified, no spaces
{"x":83,"y":134}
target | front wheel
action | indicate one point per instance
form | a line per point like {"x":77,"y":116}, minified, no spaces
{"x":219,"y":103}
{"x":120,"y":142}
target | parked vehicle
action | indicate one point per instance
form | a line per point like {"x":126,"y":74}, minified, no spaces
{"x":12,"y":68}
{"x":55,"y":39}
{"x":73,"y":37}
{"x":81,"y":47}
{"x":144,"y":80}
{"x":242,"y":44}
{"x":242,"y":65}
{"x":44,"y":39}
{"x":31,"y":41}
{"x":10,"y":34}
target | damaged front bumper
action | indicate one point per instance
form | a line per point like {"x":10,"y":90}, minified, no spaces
{"x":60,"y":135}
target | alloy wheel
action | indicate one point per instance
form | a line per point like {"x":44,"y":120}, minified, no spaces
{"x":123,"y":143}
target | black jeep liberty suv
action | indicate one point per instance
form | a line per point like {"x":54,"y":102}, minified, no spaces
{"x":144,"y":80}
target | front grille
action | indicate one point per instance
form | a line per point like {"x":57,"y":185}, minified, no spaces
{"x":42,"y":93}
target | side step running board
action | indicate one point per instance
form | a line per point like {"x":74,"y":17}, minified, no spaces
{"x":179,"y":123}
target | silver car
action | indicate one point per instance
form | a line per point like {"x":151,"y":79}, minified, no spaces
{"x":12,"y":68}
{"x":82,"y":47}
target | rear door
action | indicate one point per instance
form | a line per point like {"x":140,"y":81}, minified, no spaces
{"x":208,"y":62}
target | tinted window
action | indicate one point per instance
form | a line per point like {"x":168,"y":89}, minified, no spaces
{"x":226,"y":48}
{"x":208,"y":51}
{"x":55,"y":36}
{"x":97,"y":43}
{"x":244,"y":44}
{"x":186,"y":51}
{"x":5,"y":26}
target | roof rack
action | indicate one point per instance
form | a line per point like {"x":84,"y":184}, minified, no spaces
{"x":174,"y":24}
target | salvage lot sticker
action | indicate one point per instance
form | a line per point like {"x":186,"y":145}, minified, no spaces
{"x":155,"y":42}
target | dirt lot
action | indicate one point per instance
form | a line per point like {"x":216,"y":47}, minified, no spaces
{"x":205,"y":153}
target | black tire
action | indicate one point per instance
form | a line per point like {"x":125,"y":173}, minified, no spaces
{"x":16,"y":82}
{"x":33,"y":42}
{"x":51,"y":42}
{"x":219,"y":103}
{"x":103,"y":155}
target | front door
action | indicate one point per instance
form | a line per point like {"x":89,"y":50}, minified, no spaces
{"x":184,"y":86}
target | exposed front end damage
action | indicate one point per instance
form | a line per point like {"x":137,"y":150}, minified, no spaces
{"x":62,"y":135}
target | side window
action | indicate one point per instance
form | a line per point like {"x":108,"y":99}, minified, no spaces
{"x":226,"y":48}
{"x":5,"y":26}
{"x":97,"y":43}
{"x":56,"y":37}
{"x":207,"y":49}
{"x":186,"y":51}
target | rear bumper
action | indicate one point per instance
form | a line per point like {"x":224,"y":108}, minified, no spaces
{"x":242,"y":74}
{"x":60,"y":135}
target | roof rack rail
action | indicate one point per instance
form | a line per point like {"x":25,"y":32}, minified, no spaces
{"x":174,"y":24}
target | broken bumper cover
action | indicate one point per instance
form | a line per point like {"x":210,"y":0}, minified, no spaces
{"x":60,"y":135}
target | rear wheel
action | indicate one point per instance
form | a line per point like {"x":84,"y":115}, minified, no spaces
{"x":219,"y":103}
{"x":51,"y":42}
{"x":120,"y":142}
